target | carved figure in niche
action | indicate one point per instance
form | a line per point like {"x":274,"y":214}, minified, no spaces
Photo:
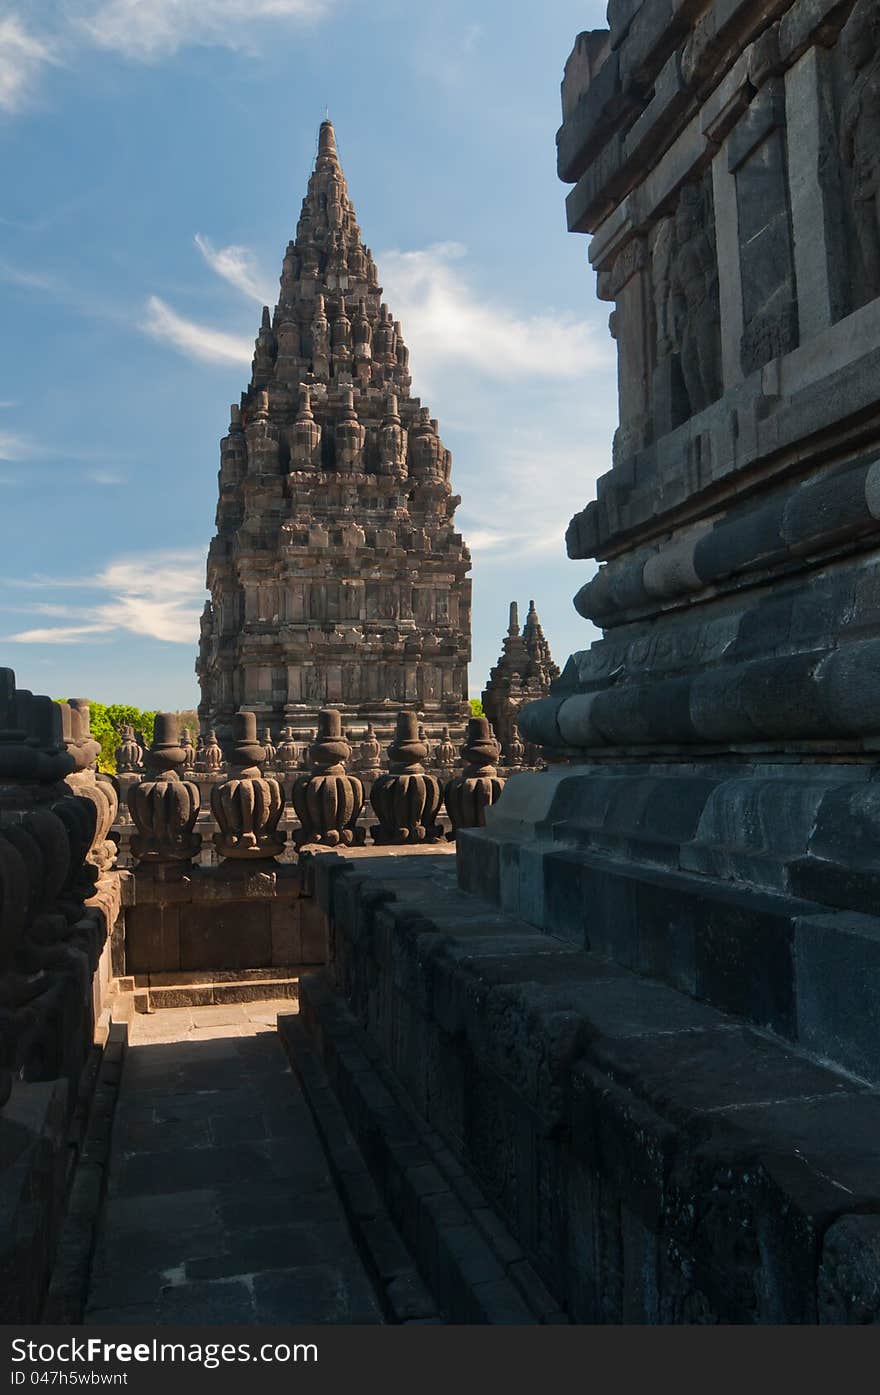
{"x":693,"y":285}
{"x":662,"y":250}
{"x":860,"y":130}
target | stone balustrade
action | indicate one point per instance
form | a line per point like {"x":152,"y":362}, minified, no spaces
{"x":292,"y":765}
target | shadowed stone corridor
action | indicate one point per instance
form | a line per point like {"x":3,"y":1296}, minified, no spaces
{"x":220,"y":1206}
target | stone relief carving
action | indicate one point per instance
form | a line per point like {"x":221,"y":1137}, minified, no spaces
{"x":693,"y":291}
{"x":860,"y":131}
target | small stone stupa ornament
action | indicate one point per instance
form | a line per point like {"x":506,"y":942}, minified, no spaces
{"x":189,"y":750}
{"x":444,"y":751}
{"x":516,"y":751}
{"x":129,"y":756}
{"x":248,"y":805}
{"x":305,"y":435}
{"x":470,"y":794}
{"x":164,"y":806}
{"x":370,"y":754}
{"x":269,"y":748}
{"x":328,"y":801}
{"x":212,"y":755}
{"x":287,"y":755}
{"x":406,"y":801}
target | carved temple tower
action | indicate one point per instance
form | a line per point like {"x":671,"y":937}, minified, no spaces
{"x":523,"y":674}
{"x":336,"y":574}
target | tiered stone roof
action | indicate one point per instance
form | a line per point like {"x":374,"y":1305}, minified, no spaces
{"x":336,"y":574}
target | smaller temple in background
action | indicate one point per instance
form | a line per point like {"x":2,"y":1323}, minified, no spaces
{"x":522,"y":674}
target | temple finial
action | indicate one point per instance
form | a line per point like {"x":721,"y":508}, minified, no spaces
{"x":327,"y":139}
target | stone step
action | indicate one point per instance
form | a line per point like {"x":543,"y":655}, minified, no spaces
{"x":200,"y":990}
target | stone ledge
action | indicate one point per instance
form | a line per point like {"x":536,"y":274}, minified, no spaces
{"x":394,"y":1274}
{"x":68,"y":1287}
{"x":473,"y":1266}
{"x":739,"y":906}
{"x":637,"y":1144}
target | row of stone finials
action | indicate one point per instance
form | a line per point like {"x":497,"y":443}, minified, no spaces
{"x":328,"y":801}
{"x":206,"y":757}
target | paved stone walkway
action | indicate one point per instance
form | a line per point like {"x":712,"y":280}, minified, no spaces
{"x":219,"y":1206}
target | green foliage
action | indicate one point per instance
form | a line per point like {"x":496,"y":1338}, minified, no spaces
{"x":477,"y":707}
{"x":107,"y":721}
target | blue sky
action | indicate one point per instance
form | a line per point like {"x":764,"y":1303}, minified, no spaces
{"x":155,"y":154}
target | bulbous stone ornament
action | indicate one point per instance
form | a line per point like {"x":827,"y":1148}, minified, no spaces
{"x":164,"y":806}
{"x":129,"y":756}
{"x":470,"y":794}
{"x":328,"y":801}
{"x":287,"y":755}
{"x":212,"y":755}
{"x":406,"y":801}
{"x":248,"y":806}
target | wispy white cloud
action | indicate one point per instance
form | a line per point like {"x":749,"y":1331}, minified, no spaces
{"x":107,"y":477}
{"x":23,"y":57}
{"x":446,"y":318}
{"x":195,"y":340}
{"x":154,"y":29}
{"x":15,"y":447}
{"x":143,"y":30}
{"x":238,"y":266}
{"x":445,"y":55}
{"x":56,"y":634}
{"x":159,"y":596}
{"x":18,"y":276}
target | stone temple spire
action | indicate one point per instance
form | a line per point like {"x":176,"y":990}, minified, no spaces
{"x":336,"y":576}
{"x":522,"y":674}
{"x":537,"y":647}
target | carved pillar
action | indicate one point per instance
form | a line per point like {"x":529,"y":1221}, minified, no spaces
{"x":730,"y":294}
{"x":328,"y":801}
{"x":628,"y":285}
{"x":407,"y":800}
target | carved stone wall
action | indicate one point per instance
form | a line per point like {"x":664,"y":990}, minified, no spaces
{"x":713,"y":822}
{"x":736,"y":227}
